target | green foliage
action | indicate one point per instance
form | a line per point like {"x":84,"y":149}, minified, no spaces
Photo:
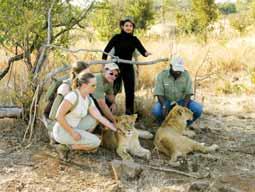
{"x":227,"y":8}
{"x":232,"y":88}
{"x":240,"y":22}
{"x":253,"y":9}
{"x":142,"y":12}
{"x":186,"y":22}
{"x":107,"y":14}
{"x":24,"y":31}
{"x":105,"y":20}
{"x":243,"y":5}
{"x":24,"y":23}
{"x":197,"y":20}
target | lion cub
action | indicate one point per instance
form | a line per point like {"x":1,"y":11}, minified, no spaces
{"x":125,"y":140}
{"x":169,"y":138}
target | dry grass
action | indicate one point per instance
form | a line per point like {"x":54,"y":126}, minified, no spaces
{"x":227,"y":64}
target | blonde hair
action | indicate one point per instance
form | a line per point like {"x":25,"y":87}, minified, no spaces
{"x":82,"y":78}
{"x":78,"y":67}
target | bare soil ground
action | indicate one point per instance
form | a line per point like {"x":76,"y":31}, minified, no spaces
{"x":228,"y":122}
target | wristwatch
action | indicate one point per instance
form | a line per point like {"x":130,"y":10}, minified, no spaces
{"x":163,"y":107}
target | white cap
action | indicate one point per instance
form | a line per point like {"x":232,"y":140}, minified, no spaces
{"x":111,"y":66}
{"x":177,"y":63}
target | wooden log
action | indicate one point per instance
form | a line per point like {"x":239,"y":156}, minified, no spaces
{"x":10,"y":112}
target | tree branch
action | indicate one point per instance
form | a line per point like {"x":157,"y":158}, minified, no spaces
{"x":74,"y":21}
{"x":43,"y":50}
{"x":67,"y":67}
{"x":10,"y":61}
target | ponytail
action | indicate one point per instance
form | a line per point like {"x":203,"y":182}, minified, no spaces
{"x":78,"y":67}
{"x":75,"y":83}
{"x":81,"y":78}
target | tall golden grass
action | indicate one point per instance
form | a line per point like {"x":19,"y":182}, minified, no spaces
{"x":229,"y":67}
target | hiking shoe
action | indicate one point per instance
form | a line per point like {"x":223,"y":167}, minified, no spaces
{"x":63,"y":151}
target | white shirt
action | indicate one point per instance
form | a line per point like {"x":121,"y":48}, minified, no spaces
{"x":74,"y":117}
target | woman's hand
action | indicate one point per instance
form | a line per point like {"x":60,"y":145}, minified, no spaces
{"x":147,"y":54}
{"x":76,"y":136}
{"x":112,"y":127}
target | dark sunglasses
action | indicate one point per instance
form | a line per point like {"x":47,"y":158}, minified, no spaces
{"x":92,"y":85}
{"x":112,"y":74}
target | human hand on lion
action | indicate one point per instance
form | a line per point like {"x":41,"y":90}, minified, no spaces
{"x":111,"y":126}
{"x":165,"y":112}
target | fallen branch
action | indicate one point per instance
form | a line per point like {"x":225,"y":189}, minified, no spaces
{"x":173,"y":171}
{"x":10,"y":112}
{"x":114,"y":60}
{"x":68,"y":67}
{"x":243,"y":151}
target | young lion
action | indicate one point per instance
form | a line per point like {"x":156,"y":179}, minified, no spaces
{"x":126,"y":139}
{"x":169,"y":138}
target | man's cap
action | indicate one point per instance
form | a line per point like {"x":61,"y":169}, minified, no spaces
{"x":177,"y":63}
{"x":111,"y":66}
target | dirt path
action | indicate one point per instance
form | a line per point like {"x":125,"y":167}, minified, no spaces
{"x":228,"y":122}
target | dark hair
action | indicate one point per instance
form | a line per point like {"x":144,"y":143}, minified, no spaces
{"x":78,"y":67}
{"x":122,"y":22}
{"x":82,"y":78}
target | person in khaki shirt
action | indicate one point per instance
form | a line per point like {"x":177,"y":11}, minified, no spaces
{"x":174,"y":84}
{"x":104,"y":96}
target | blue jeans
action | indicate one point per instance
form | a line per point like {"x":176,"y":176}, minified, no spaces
{"x":195,"y":107}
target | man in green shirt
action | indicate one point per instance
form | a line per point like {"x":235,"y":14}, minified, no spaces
{"x":174,"y":84}
{"x":103,"y":95}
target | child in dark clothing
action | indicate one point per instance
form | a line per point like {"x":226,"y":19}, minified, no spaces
{"x":124,"y":45}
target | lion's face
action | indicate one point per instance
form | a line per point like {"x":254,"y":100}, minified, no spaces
{"x":125,"y":124}
{"x":180,"y":112}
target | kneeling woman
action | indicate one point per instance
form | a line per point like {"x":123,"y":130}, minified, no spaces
{"x":76,"y":106}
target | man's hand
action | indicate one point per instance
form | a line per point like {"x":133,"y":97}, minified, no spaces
{"x":76,"y":136}
{"x":165,"y":111}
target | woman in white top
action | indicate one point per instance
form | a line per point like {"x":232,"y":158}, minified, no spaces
{"x":66,"y":130}
{"x":62,"y":91}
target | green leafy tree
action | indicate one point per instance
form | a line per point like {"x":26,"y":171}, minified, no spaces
{"x":142,"y":12}
{"x":24,"y":27}
{"x":24,"y":30}
{"x":240,"y":22}
{"x":105,"y":18}
{"x":253,"y":9}
{"x":107,"y":14}
{"x":197,"y":20}
{"x":227,"y":8}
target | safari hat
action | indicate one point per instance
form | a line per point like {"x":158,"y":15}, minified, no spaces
{"x":177,"y":63}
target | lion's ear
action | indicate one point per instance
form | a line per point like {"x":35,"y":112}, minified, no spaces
{"x":179,"y":111}
{"x":117,"y":118}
